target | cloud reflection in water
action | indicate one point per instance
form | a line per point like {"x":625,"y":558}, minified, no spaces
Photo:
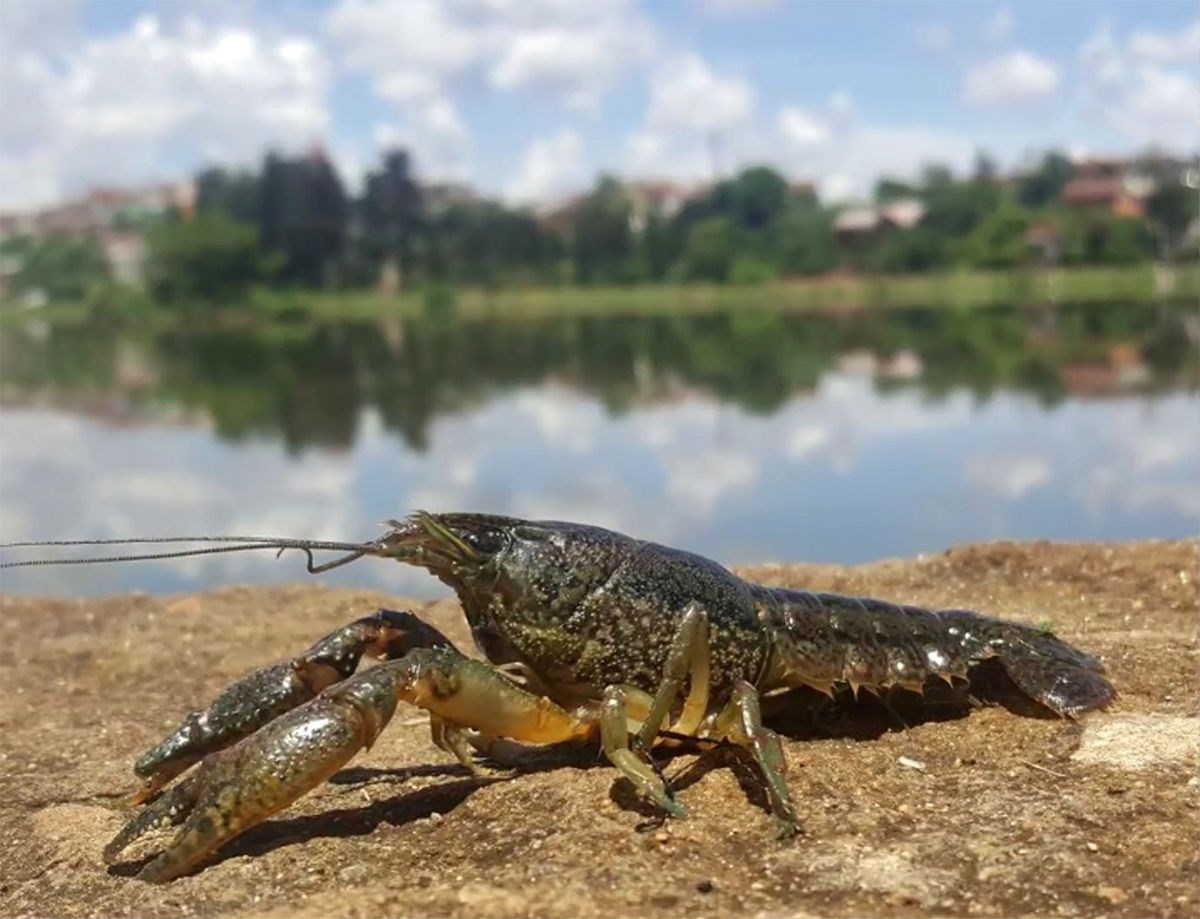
{"x":844,"y":473}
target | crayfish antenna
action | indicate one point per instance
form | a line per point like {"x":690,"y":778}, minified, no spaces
{"x":226,"y":544}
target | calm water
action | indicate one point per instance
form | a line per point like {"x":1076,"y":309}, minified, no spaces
{"x":748,"y":438}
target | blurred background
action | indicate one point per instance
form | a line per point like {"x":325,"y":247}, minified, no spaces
{"x":770,"y":281}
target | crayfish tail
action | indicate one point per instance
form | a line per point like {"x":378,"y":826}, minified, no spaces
{"x":1066,"y":680}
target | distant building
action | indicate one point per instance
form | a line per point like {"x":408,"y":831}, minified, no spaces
{"x":559,"y":217}
{"x":858,"y":224}
{"x":855,"y":222}
{"x":110,"y":216}
{"x":1121,"y":185}
{"x":125,"y":252}
{"x":802,"y":192}
{"x":648,"y":199}
{"x":1111,"y":194}
{"x":102,"y":208}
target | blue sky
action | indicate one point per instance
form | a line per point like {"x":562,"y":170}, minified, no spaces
{"x":530,"y":98}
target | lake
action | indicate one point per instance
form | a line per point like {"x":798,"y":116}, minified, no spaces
{"x":748,"y":437}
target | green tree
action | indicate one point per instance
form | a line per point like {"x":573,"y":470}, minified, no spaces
{"x":273,"y":203}
{"x":1100,"y":237}
{"x":59,"y":266}
{"x":211,"y":259}
{"x":1046,"y":181}
{"x":1127,"y":240}
{"x":954,"y":210}
{"x":657,"y":247}
{"x":392,"y":215}
{"x":985,"y":168}
{"x":232,"y":193}
{"x":303,"y":216}
{"x":755,"y":198}
{"x":804,"y":241}
{"x":710,"y":250}
{"x":999,"y":241}
{"x":935,"y":177}
{"x":487,"y":243}
{"x":888,"y":190}
{"x":602,"y":243}
{"x":918,"y":249}
{"x":1171,"y":207}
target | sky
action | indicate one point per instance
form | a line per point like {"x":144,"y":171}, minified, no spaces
{"x":530,"y":99}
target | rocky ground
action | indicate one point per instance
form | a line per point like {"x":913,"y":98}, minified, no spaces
{"x":967,"y":812}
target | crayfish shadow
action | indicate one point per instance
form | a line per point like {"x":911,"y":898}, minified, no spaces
{"x":806,"y":714}
{"x":397,"y":810}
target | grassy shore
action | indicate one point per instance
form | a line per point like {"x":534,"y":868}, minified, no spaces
{"x":833,"y":293}
{"x":1140,"y":283}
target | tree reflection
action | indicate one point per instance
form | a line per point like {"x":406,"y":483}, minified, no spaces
{"x":307,"y":384}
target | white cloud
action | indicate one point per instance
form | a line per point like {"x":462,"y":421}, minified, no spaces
{"x":651,"y":154}
{"x":1014,"y":78}
{"x":1000,"y":26}
{"x":579,"y":61}
{"x":806,"y":439}
{"x":832,"y":146}
{"x":434,"y":134}
{"x":551,"y":167}
{"x":803,"y":129}
{"x":699,"y":479}
{"x":934,"y":36}
{"x":406,"y":86}
{"x":1160,"y":107}
{"x":1102,"y":57}
{"x":1011,"y":476}
{"x":415,"y":48}
{"x":694,"y":120}
{"x":1147,"y":89}
{"x":405,"y":45}
{"x":127,"y":106}
{"x":740,"y":7}
{"x":566,"y":420}
{"x":686,"y":95}
{"x":845,"y":155}
{"x":1164,"y":48}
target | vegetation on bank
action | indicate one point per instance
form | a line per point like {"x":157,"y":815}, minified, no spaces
{"x":289,"y":234}
{"x":967,"y":289}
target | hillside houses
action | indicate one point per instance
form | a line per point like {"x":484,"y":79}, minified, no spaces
{"x":109,"y":215}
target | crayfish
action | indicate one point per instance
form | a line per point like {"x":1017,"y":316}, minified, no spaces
{"x":589,"y":636}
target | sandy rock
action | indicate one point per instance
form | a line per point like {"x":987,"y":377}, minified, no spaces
{"x":1007,"y":815}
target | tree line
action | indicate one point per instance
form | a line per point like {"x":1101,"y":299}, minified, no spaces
{"x":292,"y":224}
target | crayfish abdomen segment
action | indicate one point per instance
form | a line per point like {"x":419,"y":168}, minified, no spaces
{"x":820,"y":640}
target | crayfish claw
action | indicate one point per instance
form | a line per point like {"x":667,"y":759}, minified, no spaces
{"x":237,"y":788}
{"x":171,"y":809}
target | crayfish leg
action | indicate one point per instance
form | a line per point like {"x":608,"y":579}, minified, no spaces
{"x":687,"y":657}
{"x":740,"y":723}
{"x":614,"y":738}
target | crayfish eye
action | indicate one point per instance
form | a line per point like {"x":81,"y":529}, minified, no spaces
{"x":485,"y":542}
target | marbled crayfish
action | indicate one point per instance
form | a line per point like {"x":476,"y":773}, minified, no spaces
{"x":589,"y":635}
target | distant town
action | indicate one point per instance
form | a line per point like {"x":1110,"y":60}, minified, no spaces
{"x":292,"y":224}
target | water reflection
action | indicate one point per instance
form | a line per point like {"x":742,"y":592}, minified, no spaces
{"x":750,"y":438}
